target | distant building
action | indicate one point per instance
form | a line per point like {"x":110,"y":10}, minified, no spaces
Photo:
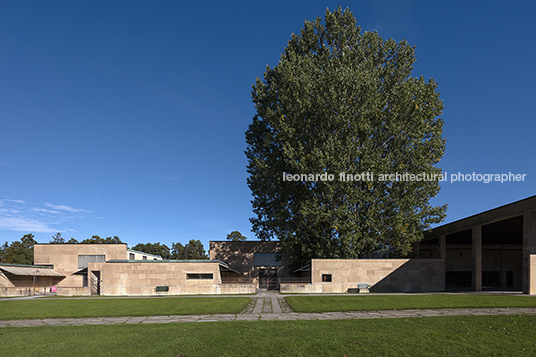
{"x":137,"y":255}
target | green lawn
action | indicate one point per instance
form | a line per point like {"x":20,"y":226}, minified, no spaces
{"x":101,"y":307}
{"x":399,"y":302}
{"x":456,"y":335}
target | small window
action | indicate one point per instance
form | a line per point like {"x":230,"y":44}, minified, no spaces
{"x":144,"y":257}
{"x":326,"y":278}
{"x":155,"y":259}
{"x":131,"y":256}
{"x":84,"y":280}
{"x":199,"y":276}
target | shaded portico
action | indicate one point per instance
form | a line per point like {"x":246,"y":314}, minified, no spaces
{"x":495,"y":249}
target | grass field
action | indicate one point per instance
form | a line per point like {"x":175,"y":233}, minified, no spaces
{"x":409,"y":301}
{"x":101,"y":307}
{"x":455,"y":335}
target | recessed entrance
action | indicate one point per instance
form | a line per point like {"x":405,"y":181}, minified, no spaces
{"x":268,"y":279}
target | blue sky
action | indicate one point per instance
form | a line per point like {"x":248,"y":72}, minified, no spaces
{"x":127,"y":118}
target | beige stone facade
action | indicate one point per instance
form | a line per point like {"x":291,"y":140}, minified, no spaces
{"x":182,"y":277}
{"x":66,"y":258}
{"x":382,"y":275}
{"x":105,"y":269}
{"x":533,"y":274}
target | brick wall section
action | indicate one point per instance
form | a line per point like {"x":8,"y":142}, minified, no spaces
{"x":241,"y":255}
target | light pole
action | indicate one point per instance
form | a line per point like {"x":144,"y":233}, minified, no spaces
{"x":36,"y":272}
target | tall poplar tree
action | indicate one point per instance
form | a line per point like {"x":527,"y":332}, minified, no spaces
{"x":343,"y":101}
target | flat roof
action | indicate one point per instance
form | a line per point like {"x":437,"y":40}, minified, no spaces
{"x":81,"y":244}
{"x":163,"y":261}
{"x":35,"y":271}
{"x":496,"y":214}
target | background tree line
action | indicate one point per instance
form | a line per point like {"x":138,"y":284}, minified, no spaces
{"x":21,"y":252}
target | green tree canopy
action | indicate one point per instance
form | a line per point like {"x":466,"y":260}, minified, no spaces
{"x":3,"y":249}
{"x":98,"y":240}
{"x":178,"y":252}
{"x":57,"y":239}
{"x":19,"y":252}
{"x":343,"y":101}
{"x":193,"y":250}
{"x":236,"y":236}
{"x":154,"y":248}
{"x":196,"y":250}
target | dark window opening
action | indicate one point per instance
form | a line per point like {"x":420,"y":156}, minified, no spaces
{"x":131,"y":256}
{"x":509,"y":279}
{"x":326,"y":278}
{"x":199,"y":276}
{"x":491,"y":278}
{"x":267,"y":259}
{"x":84,"y":260}
{"x":459,"y":279}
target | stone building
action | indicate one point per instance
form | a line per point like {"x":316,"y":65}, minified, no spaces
{"x":493,"y":250}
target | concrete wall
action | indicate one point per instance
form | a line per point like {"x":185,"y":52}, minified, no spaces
{"x":532,"y":289}
{"x":383,"y":275}
{"x":73,"y":291}
{"x":64,"y":257}
{"x":15,"y":291}
{"x":141,"y":278}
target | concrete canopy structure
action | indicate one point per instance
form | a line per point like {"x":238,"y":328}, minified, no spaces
{"x":495,"y":249}
{"x":20,"y":280}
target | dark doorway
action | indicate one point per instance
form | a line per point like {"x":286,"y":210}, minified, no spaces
{"x":458,"y":279}
{"x":95,"y":282}
{"x":491,"y":279}
{"x":268,"y":279}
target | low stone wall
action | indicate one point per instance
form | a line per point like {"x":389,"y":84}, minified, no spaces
{"x":15,"y":291}
{"x":73,"y":291}
{"x":250,"y":288}
{"x":300,"y":288}
{"x":382,"y":275}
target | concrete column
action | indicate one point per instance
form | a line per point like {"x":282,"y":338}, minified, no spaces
{"x":529,"y":248}
{"x":442,"y":247}
{"x":477,"y":258}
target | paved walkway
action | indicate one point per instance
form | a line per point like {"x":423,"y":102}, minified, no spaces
{"x":272,"y":307}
